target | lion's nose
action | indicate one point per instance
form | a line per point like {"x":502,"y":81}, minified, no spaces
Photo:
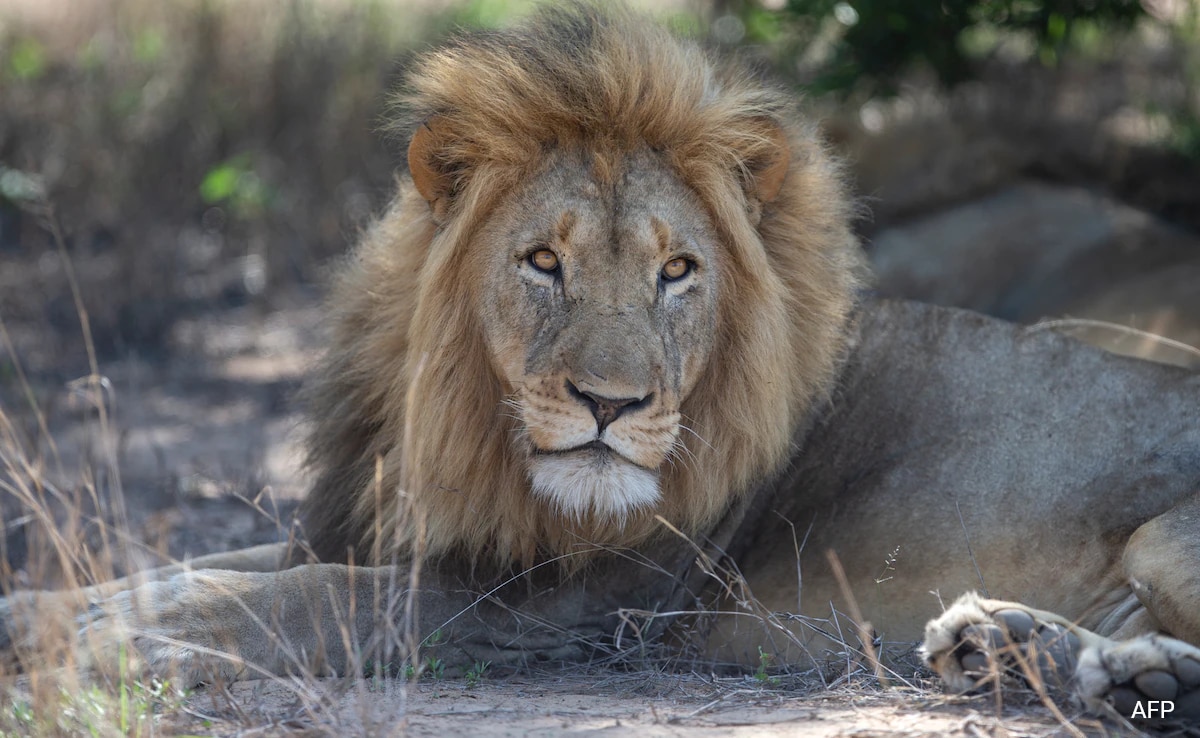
{"x":606,"y":409}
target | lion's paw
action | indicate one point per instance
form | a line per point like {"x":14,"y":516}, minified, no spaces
{"x":1146,"y":679}
{"x":1151,"y":678}
{"x":36,"y":622}
{"x":162,"y":628}
{"x":976,"y":639}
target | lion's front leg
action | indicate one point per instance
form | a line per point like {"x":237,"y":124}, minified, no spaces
{"x":40,"y":627}
{"x":328,"y":619}
{"x":1150,"y":678}
{"x":202,"y":625}
{"x":199,"y":626}
{"x":210,"y":625}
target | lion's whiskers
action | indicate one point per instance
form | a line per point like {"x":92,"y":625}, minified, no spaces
{"x":519,"y":406}
{"x":679,"y":452}
{"x":684,"y":426}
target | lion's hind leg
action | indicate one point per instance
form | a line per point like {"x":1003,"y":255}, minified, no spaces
{"x":1162,"y":562}
{"x":1150,"y":678}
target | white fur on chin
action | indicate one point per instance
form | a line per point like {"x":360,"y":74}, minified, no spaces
{"x":603,"y":485}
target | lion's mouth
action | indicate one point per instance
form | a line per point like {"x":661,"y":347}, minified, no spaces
{"x":596,"y":446}
{"x":596,"y":450}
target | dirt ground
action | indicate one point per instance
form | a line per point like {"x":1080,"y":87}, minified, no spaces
{"x":642,"y":704}
{"x":205,"y":442}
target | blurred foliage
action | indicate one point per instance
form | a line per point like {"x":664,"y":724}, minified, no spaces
{"x":235,"y":183}
{"x":1186,"y":121}
{"x":20,"y":187}
{"x":681,"y":18}
{"x":195,"y":152}
{"x":873,"y":44}
{"x":487,"y":13}
{"x":27,"y":60}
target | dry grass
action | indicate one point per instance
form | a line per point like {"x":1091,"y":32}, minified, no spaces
{"x":194,"y":159}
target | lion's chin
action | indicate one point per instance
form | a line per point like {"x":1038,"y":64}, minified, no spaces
{"x":591,"y":484}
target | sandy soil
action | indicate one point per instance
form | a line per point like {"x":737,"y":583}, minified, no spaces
{"x":602,"y":704}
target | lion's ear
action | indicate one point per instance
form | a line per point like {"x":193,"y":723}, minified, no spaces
{"x":769,"y":170}
{"x":433,"y":177}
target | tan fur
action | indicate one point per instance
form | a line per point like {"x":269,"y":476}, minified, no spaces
{"x":408,"y":378}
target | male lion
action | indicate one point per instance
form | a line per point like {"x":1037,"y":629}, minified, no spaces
{"x":610,"y":338}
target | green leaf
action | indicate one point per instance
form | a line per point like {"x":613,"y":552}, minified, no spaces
{"x":222,"y":181}
{"x":148,"y":46}
{"x":28,"y":59}
{"x":219,"y":184}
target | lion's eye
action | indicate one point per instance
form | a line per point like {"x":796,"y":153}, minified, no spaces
{"x":544,"y":260}
{"x":676,"y":269}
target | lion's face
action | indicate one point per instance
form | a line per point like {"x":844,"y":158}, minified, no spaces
{"x":598,"y":304}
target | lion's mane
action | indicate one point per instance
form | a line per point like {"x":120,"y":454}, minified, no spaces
{"x":410,"y":441}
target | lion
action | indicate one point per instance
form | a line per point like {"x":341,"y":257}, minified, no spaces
{"x":608,"y":356}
